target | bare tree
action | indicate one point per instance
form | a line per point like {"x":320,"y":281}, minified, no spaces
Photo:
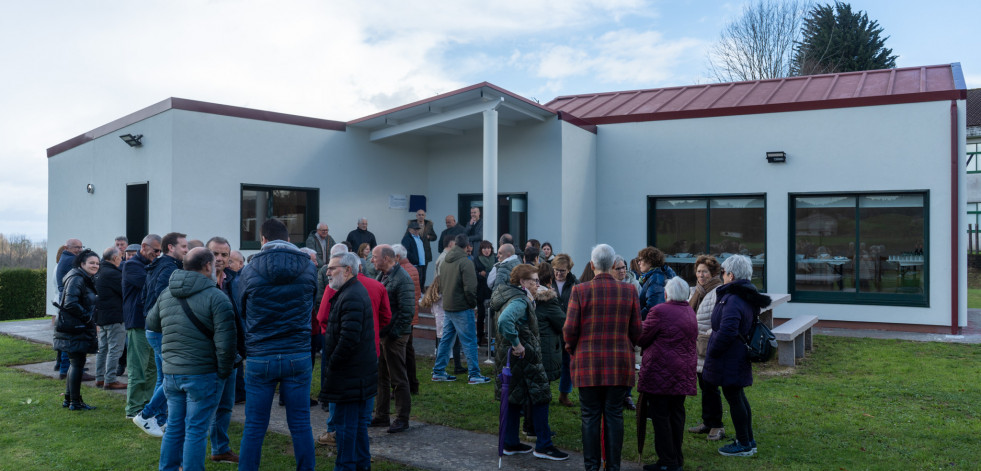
{"x":760,"y":43}
{"x":18,"y":251}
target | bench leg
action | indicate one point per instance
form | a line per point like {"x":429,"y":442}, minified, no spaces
{"x":799,"y":346}
{"x":807,"y":340}
{"x":785,"y":352}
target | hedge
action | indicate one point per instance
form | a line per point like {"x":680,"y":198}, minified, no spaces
{"x":22,"y":293}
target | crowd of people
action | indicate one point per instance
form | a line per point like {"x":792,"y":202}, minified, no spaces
{"x":198,"y":328}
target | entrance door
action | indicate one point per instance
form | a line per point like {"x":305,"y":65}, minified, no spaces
{"x":137,"y":211}
{"x":512,"y":214}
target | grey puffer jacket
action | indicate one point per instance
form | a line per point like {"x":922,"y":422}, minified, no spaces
{"x":185,"y":350}
{"x":529,"y":384}
{"x":78,"y":300}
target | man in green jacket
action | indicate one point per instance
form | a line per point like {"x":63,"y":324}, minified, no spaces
{"x":198,"y":348}
{"x":458,"y":285}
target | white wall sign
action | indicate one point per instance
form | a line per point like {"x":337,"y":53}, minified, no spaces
{"x":398,"y":202}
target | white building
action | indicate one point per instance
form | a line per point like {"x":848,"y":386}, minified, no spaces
{"x":860,"y":222}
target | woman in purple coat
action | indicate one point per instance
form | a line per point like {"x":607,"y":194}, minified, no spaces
{"x":726,"y":359}
{"x":667,"y":372}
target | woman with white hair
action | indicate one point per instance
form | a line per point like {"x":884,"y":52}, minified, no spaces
{"x":726,"y":359}
{"x":667,"y":371}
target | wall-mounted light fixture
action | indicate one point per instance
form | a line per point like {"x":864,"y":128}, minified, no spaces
{"x":776,"y":157}
{"x":133,"y":141}
{"x":90,"y":188}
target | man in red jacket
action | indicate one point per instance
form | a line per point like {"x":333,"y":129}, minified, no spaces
{"x":601,"y":328}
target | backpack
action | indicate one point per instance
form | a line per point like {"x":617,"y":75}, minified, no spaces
{"x":761,"y":344}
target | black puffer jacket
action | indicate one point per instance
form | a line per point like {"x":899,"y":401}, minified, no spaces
{"x":401,"y":298}
{"x":109,"y":286}
{"x":350,"y":361}
{"x":77,"y":309}
{"x":551,"y":318}
{"x":726,"y":360}
{"x":529,"y":384}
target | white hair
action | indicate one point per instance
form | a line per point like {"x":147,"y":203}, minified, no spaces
{"x":740,"y":266}
{"x":676,"y":289}
{"x":400,"y":251}
{"x":338,"y":249}
{"x":602,"y":257}
{"x":308,"y":251}
{"x":348,"y":259}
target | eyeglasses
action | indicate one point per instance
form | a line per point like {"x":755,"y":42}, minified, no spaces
{"x":537,"y":282}
{"x":620,"y":268}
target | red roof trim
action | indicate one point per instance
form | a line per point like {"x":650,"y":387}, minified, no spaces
{"x":563,"y":116}
{"x":782,"y":107}
{"x":196,"y":106}
{"x":448,"y":94}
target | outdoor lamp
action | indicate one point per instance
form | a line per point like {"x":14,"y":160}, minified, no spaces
{"x":133,"y":141}
{"x":776,"y":157}
{"x":90,"y":188}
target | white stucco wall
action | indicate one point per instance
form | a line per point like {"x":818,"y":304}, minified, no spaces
{"x":579,"y":193}
{"x":882,"y":148}
{"x":108,"y":164}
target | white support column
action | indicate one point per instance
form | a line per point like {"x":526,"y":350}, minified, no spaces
{"x":490,"y":176}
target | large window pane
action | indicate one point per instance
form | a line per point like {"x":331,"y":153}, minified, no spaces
{"x":891,"y":241}
{"x":825,"y":243}
{"x":296,"y":208}
{"x":721,"y":226}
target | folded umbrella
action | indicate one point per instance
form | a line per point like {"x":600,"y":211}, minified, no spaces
{"x":505,"y":378}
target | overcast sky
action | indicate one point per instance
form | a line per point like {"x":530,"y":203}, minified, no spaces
{"x":69,"y":67}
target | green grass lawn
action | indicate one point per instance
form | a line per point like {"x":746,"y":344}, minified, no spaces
{"x":38,"y":434}
{"x":853,"y":404}
{"x":974,"y":298}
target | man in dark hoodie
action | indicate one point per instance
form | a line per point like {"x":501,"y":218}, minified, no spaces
{"x":174,"y":245}
{"x":198,"y":329}
{"x":139,"y":355}
{"x":276,"y":301}
{"x":109,"y":318}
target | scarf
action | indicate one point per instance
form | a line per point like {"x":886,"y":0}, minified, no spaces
{"x":702,"y":290}
{"x":487,"y":262}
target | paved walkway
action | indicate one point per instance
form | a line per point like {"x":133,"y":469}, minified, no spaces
{"x":437,"y":447}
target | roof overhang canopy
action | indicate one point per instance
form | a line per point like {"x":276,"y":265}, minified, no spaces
{"x":452,"y":113}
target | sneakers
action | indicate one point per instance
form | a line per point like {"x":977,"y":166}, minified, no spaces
{"x":443,"y":378}
{"x":551,"y":453}
{"x":327,"y":438}
{"x":736,"y":449}
{"x":516,"y":449}
{"x":148,"y":425}
{"x":700,"y":428}
{"x":80,"y":406}
{"x":479,"y":379}
{"x":227,"y":457}
{"x":716,"y":434}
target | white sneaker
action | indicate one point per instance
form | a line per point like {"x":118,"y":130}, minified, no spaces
{"x":148,"y":425}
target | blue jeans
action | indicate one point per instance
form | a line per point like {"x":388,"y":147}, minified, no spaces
{"x":460,"y":323}
{"x":223,"y":415}
{"x":332,"y":408}
{"x":351,"y":420}
{"x":157,"y":407}
{"x":539,"y":416}
{"x":192,"y":400}
{"x":293,"y":373}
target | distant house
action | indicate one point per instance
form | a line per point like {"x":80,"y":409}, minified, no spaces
{"x":839,"y":187}
{"x":973,"y":182}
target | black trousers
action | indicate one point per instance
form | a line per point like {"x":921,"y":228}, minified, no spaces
{"x":422,"y":277}
{"x":410,"y":366}
{"x":668,"y":415}
{"x":739,"y":410}
{"x":711,"y":404}
{"x":602,"y":403}
{"x":73,"y":382}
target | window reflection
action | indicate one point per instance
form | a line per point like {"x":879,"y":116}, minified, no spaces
{"x":291,"y":206}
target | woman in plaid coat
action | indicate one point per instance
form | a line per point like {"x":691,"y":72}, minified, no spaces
{"x":601,"y":328}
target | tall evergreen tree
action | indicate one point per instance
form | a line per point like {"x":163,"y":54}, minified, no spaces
{"x":836,"y":39}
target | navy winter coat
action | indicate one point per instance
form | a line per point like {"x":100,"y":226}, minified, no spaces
{"x":276,"y":303}
{"x":109,"y":285}
{"x":350,"y":360}
{"x":157,"y":279}
{"x":668,"y":340}
{"x":652,"y":289}
{"x":726,"y":359}
{"x":134,"y":276}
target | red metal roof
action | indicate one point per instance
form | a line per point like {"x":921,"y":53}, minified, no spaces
{"x":867,"y":88}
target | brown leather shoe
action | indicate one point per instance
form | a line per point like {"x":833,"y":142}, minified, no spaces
{"x":115,"y":385}
{"x":564,"y":400}
{"x":100,"y":384}
{"x":227,"y":457}
{"x":700,"y":428}
{"x":716,"y":434}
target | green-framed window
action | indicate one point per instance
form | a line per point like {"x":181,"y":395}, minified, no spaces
{"x":973,"y":155}
{"x":684,"y":227}
{"x":298,"y":208}
{"x":859,"y":248}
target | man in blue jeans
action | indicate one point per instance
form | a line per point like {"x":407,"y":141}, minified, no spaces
{"x":174,"y":245}
{"x":458,"y":283}
{"x":197,"y":326}
{"x":277,"y":290}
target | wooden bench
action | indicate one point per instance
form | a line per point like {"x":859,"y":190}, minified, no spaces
{"x":794,"y":338}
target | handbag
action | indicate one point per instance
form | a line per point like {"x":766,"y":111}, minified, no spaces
{"x":761,"y":343}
